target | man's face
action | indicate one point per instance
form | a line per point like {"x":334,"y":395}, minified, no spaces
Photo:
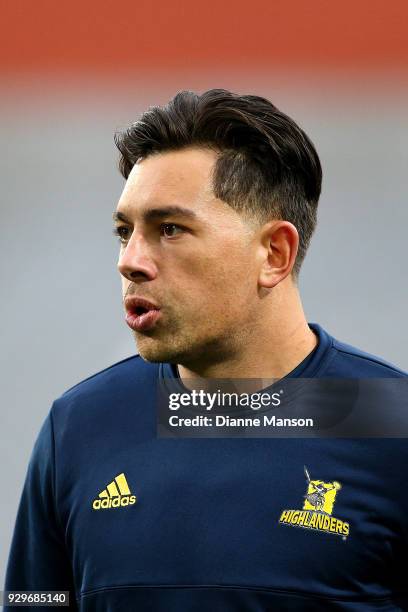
{"x":190,"y":255}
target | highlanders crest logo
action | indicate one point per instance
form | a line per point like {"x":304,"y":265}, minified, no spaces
{"x":317,"y":509}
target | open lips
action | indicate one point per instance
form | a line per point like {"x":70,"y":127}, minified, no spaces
{"x":141,"y":314}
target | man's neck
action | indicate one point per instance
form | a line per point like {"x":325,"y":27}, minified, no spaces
{"x":280,"y":342}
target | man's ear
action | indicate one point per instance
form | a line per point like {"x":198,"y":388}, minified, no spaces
{"x":279,"y":242}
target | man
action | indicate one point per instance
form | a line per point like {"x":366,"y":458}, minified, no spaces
{"x":214,"y":222}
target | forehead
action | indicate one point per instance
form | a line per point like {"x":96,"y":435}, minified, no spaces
{"x":175,"y":177}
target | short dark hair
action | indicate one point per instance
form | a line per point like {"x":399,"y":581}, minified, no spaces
{"x":267,"y":166}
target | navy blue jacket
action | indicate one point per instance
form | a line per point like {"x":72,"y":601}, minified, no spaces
{"x":129,"y":522}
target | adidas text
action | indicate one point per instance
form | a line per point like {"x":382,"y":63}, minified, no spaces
{"x":114,"y":502}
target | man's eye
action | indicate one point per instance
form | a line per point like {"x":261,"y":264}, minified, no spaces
{"x":170,"y":229}
{"x":123,"y":233}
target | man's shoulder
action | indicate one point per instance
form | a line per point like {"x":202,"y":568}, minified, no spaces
{"x":130,"y":377}
{"x":349,"y":361}
{"x":100,"y":407}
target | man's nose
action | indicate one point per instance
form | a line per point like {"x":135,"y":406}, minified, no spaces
{"x":135,"y":260}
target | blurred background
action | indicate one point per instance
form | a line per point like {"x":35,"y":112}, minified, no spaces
{"x":74,"y":73}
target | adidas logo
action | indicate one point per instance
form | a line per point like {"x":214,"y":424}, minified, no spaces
{"x":116,"y":494}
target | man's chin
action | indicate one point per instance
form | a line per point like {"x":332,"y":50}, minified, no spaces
{"x":156,"y":352}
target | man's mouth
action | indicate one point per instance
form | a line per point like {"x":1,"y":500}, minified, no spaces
{"x":141,"y":314}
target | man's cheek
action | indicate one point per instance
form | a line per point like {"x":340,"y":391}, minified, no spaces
{"x":200,"y":262}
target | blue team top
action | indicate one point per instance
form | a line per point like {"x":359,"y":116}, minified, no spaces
{"x":126,"y":521}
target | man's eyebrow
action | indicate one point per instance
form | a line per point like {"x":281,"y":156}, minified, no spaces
{"x":155,"y":214}
{"x":118,"y":216}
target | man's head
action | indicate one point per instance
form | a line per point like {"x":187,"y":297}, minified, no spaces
{"x":219,"y":208}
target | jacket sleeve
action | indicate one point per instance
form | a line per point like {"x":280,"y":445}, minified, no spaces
{"x":38,"y":558}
